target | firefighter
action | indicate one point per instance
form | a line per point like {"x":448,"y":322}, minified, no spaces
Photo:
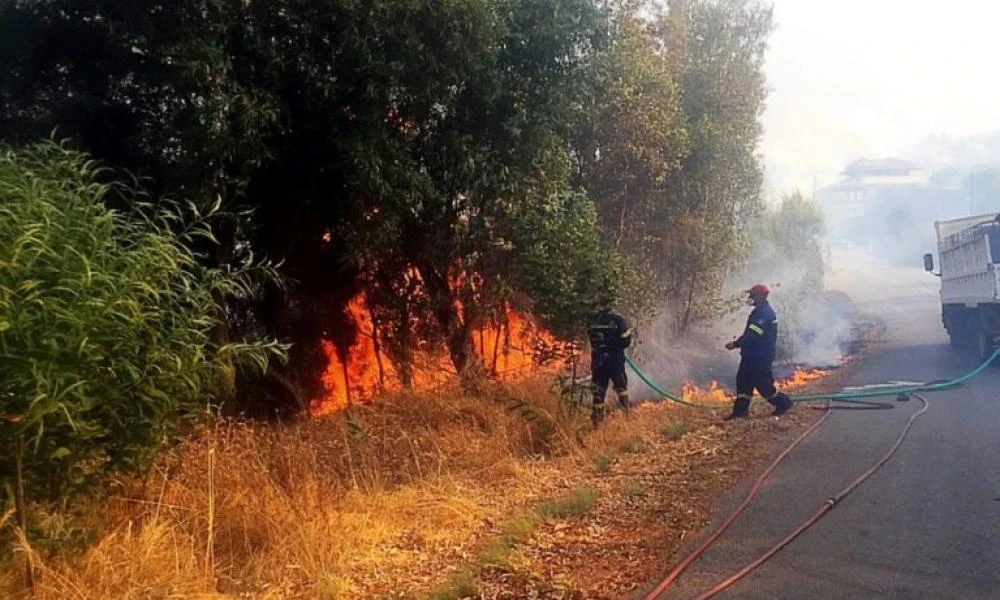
{"x":609,"y":335}
{"x":757,"y":348}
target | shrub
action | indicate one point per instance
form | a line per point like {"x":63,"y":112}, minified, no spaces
{"x":105,"y":324}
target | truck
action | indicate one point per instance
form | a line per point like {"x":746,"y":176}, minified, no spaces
{"x":969,"y":255}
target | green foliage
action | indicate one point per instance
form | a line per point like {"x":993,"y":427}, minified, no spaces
{"x":449,"y":159}
{"x":602,"y":463}
{"x":787,"y":248}
{"x":579,"y":502}
{"x":105,"y":324}
{"x":467,"y":174}
{"x":634,"y":135}
{"x":462,"y":585}
{"x":719,"y":46}
{"x":560,"y":260}
{"x":632,"y":139}
{"x":787,"y":240}
{"x":676,"y":429}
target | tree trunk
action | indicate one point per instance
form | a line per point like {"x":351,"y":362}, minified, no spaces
{"x":457,"y":334}
{"x":496,"y":349}
{"x":377,"y":345}
{"x":345,"y":369}
{"x":688,"y":303}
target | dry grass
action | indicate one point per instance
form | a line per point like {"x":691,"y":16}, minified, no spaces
{"x":343,"y":507}
{"x":421,"y":496}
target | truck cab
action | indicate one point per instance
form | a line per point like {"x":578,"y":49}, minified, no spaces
{"x":970,"y":280}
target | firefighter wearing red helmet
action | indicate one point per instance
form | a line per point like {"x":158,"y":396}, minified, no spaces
{"x":758,"y":346}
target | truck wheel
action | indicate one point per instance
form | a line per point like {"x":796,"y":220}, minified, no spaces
{"x":959,"y":335}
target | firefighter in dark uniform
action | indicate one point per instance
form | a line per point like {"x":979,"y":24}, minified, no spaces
{"x":609,"y":335}
{"x":758,"y":345}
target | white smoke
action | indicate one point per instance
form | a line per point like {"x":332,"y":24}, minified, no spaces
{"x":816,"y":325}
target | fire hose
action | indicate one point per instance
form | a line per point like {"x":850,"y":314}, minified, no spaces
{"x":829,"y":504}
{"x":826,"y":507}
{"x":938,"y":386}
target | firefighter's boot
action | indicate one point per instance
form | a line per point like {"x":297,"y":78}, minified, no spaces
{"x":597,"y":415}
{"x":781,"y":403}
{"x":741,"y":408}
{"x":625,"y":402}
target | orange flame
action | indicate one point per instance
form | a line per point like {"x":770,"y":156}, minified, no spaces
{"x":508,"y":352}
{"x":802,"y":377}
{"x":362,"y":374}
{"x":713,"y":393}
{"x":691,"y":392}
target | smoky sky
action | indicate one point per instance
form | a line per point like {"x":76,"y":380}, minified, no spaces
{"x":873,"y":78}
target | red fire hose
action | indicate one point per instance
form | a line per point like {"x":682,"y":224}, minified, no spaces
{"x":825,"y":508}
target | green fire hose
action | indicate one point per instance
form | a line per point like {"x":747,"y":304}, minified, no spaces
{"x":841,"y":397}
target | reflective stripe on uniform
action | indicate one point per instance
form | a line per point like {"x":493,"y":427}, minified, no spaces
{"x":755,"y":329}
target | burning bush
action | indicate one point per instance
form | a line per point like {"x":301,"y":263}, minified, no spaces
{"x":509,"y":347}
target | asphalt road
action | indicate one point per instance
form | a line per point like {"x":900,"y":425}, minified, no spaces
{"x":927,"y":525}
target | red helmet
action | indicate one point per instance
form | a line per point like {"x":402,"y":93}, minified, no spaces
{"x":760,"y":289}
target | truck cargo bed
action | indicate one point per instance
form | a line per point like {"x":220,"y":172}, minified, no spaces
{"x":967,"y":248}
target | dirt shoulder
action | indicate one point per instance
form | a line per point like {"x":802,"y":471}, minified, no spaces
{"x":652,"y":501}
{"x":653,"y":496}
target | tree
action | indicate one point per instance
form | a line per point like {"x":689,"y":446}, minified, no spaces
{"x":375,"y":140}
{"x":427,"y":154}
{"x":106,"y":323}
{"x":790,"y":234}
{"x":448,"y":158}
{"x":632,"y":141}
{"x":718,"y":49}
{"x":634,"y":136}
{"x":559,"y":257}
{"x":786,"y":248}
{"x":149,"y":87}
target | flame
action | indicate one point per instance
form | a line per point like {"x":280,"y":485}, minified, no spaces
{"x":802,"y":377}
{"x":713,"y":393}
{"x":690,"y":392}
{"x":360,"y":376}
{"x":508,"y":350}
